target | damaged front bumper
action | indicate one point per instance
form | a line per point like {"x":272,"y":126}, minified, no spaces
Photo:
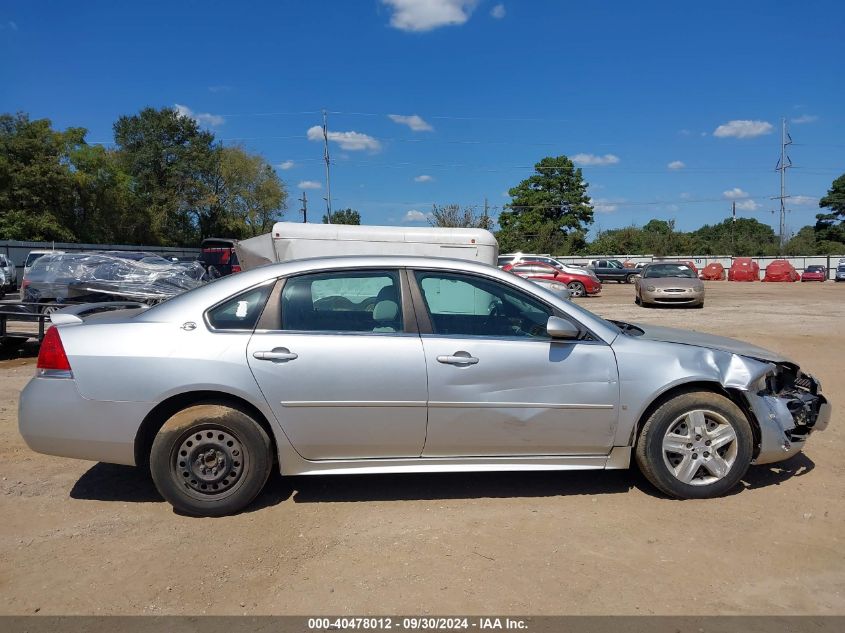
{"x":787,"y":409}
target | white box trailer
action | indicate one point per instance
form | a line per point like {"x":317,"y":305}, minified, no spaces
{"x":291,"y":240}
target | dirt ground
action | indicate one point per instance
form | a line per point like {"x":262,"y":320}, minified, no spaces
{"x":85,"y":538}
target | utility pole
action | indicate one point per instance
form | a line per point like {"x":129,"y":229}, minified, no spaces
{"x":486,"y":216}
{"x":783,"y":164}
{"x":304,"y":201}
{"x":733,"y":222}
{"x":328,"y":166}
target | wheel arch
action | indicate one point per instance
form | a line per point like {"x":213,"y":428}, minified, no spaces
{"x":734,"y":395}
{"x":163,"y":411}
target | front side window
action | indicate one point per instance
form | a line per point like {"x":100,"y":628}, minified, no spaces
{"x":240,"y":312}
{"x":348,"y":301}
{"x":474,"y":306}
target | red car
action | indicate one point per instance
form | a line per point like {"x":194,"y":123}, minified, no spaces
{"x":814,"y":273}
{"x":578,"y":284}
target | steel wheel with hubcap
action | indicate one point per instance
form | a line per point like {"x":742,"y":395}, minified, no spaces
{"x":696,"y":445}
{"x":210,"y":460}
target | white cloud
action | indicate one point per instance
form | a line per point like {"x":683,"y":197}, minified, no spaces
{"x":743,"y":129}
{"x":602,"y":205}
{"x":425,"y":15}
{"x":423,"y":178}
{"x":288,"y":164}
{"x":413,"y":121}
{"x":498,"y":11}
{"x":200,"y":117}
{"x":9,"y":25}
{"x":310,"y":184}
{"x":592,"y":159}
{"x":352,"y":141}
{"x":219,"y":88}
{"x":747,"y":205}
{"x":415,"y":216}
{"x":676,"y":164}
{"x":808,"y":201}
{"x":685,"y":195}
{"x":805,"y":118}
{"x":734,"y":194}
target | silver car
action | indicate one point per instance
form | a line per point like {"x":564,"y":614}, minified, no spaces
{"x":402,"y":364}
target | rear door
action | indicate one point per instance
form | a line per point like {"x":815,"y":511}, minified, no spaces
{"x":343,"y":368}
{"x":498,"y":384}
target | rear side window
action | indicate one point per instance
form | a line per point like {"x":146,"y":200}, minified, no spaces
{"x":240,"y":312}
{"x":344,"y":301}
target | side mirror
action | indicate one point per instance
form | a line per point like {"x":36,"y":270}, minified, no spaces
{"x":561,"y":328}
{"x":557,"y":273}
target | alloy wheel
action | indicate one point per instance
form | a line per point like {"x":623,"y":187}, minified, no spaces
{"x":700,"y":447}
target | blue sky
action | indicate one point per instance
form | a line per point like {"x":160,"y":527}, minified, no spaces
{"x":672,"y":108}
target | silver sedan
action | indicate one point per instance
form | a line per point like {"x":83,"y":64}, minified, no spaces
{"x":402,"y":364}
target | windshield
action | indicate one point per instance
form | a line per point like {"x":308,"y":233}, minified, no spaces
{"x":668,"y":270}
{"x":815,"y":269}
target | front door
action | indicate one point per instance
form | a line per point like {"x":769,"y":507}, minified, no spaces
{"x":499,"y":385}
{"x":343,"y":376}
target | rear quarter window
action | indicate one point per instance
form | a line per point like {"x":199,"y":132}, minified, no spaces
{"x":240,"y":312}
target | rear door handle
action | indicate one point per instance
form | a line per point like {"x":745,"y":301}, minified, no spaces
{"x":279,"y":353}
{"x":458,"y":358}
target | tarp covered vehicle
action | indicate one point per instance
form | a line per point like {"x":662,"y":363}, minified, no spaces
{"x":744,"y":269}
{"x":781,"y":270}
{"x":109,"y":276}
{"x":713,"y":271}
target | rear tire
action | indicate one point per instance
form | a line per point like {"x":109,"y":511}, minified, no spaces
{"x":695,"y":446}
{"x":210,"y":460}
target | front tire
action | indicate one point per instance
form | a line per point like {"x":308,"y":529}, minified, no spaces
{"x":576,"y":289}
{"x":697,"y":445}
{"x":210,"y":460}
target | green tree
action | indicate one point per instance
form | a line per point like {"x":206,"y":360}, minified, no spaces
{"x":454,"y":216}
{"x":174,"y":168}
{"x":37,"y":185}
{"x":830,"y":227}
{"x":546,"y":208}
{"x":343,"y":216}
{"x":250,"y":194}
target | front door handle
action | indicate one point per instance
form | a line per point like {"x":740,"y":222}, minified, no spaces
{"x":458,"y":358}
{"x":278,"y":353}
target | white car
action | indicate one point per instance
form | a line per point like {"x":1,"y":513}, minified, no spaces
{"x":8,"y":275}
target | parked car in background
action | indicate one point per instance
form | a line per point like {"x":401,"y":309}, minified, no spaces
{"x":8,"y":275}
{"x":814,"y":273}
{"x":218,"y":257}
{"x":780,"y":270}
{"x":579,"y":284}
{"x":669,"y":285}
{"x":403,"y":364}
{"x":744,"y":269}
{"x":840,"y":271}
{"x":613,"y":270}
{"x":107,"y":276}
{"x":32,"y":256}
{"x":713,"y":271}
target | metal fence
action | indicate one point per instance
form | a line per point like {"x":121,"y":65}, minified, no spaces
{"x":17,"y":251}
{"x":800,"y":262}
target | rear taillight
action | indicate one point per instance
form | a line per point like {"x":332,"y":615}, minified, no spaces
{"x":52,"y":360}
{"x":236,"y":268}
{"x":24,"y":284}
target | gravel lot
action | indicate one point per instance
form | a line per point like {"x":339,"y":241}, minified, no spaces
{"x":85,"y":538}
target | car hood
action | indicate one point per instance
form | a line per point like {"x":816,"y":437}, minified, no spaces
{"x":688,"y":337}
{"x":672,"y":282}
